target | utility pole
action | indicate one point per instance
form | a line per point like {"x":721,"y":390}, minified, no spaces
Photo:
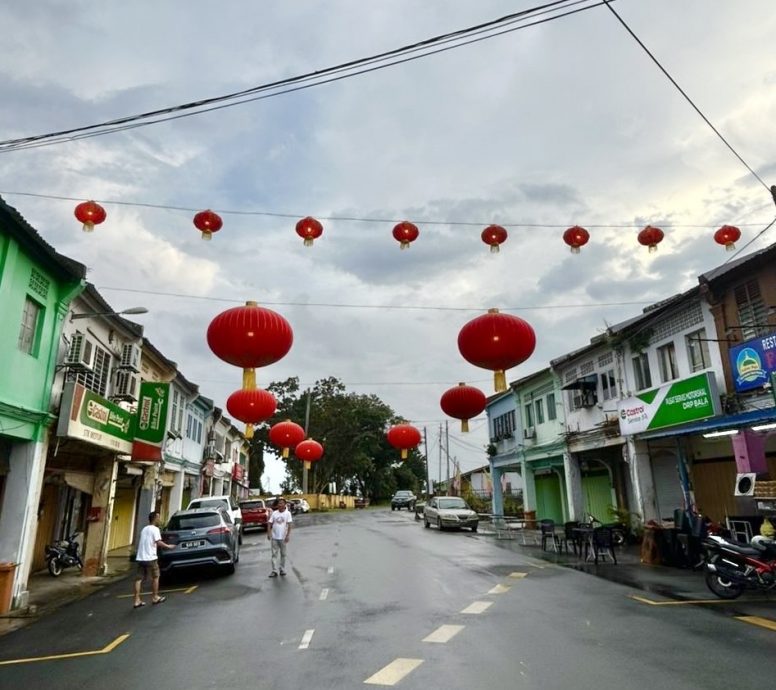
{"x":440,"y":454}
{"x":447,"y":453}
{"x":428,"y":475}
{"x":306,"y":426}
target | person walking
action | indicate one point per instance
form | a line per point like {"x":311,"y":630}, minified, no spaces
{"x":148,"y":559}
{"x":279,"y":532}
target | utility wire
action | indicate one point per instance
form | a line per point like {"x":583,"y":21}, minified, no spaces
{"x":750,"y":242}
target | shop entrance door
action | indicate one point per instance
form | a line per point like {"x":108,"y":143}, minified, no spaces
{"x":123,"y":519}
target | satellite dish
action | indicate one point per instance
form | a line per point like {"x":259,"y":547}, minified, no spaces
{"x":745,"y":484}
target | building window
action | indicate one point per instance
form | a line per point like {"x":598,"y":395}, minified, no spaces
{"x":504,"y":426}
{"x":97,"y":379}
{"x":29,"y":329}
{"x":529,"y":418}
{"x":666,"y":357}
{"x":539,"y":405}
{"x":552,"y":413}
{"x":752,"y":313}
{"x":608,"y":385}
{"x":641,"y":371}
{"x":177,"y":409}
{"x":697,"y":350}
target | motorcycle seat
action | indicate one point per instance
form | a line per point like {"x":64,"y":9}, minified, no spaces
{"x":743,"y":550}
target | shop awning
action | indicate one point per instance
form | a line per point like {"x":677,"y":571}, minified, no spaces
{"x":585,"y":383}
{"x":722,"y":423}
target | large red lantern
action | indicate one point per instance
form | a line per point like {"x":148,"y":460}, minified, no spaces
{"x":308,"y":451}
{"x":494,"y":235}
{"x":498,"y":342}
{"x":309,"y":230}
{"x":651,"y":237}
{"x":249,"y":337}
{"x":208,"y":222}
{"x":403,"y":437}
{"x":405,"y":233}
{"x":286,"y":435}
{"x":463,"y":402}
{"x":90,"y":213}
{"x":727,"y":235}
{"x":576,"y":237}
{"x":252,"y":407}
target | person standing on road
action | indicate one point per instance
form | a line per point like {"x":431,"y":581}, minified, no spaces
{"x":278,"y":533}
{"x":148,"y":559}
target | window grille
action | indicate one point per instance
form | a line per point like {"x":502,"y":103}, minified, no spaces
{"x":97,"y":379}
{"x":685,"y":319}
{"x":39,"y":284}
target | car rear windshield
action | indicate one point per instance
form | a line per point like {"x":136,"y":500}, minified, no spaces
{"x":252,"y":505}
{"x":452,"y":503}
{"x":184,"y":522}
{"x":209,"y":504}
{"x":404,"y":493}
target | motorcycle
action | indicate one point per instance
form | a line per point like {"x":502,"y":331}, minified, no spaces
{"x":63,"y":554}
{"x":733,"y":568}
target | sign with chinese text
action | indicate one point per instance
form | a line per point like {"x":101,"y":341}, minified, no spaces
{"x":151,"y":425}
{"x":687,"y":400}
{"x":752,"y":362}
{"x":88,"y":417}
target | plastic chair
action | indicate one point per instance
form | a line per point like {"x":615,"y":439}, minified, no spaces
{"x":603,"y":544}
{"x":568,"y":536}
{"x":547,"y":528}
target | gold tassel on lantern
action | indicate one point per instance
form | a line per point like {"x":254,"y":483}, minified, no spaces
{"x":249,"y":431}
{"x":285,"y":452}
{"x":404,"y":244}
{"x":308,"y":242}
{"x":307,"y":465}
{"x":494,"y":249}
{"x":500,"y":380}
{"x":249,"y":379}
{"x":403,"y":453}
{"x":464,"y":425}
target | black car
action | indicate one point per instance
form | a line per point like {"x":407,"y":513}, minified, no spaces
{"x":403,"y":499}
{"x":202,"y":536}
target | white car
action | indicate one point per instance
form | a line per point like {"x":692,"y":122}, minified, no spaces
{"x":302,"y":506}
{"x":449,"y":511}
{"x":231,"y":505}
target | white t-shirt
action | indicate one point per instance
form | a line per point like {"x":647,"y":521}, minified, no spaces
{"x":280,"y":522}
{"x":146,"y":548}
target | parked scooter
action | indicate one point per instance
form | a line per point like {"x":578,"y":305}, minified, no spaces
{"x":63,"y":554}
{"x":732,"y":568}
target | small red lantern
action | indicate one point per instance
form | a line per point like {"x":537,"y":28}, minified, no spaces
{"x":576,"y":237}
{"x":208,"y":222}
{"x":463,"y":402}
{"x":498,"y":342}
{"x":308,"y":451}
{"x":651,"y":237}
{"x":494,"y":235}
{"x":405,"y":233}
{"x":286,"y":435}
{"x":309,"y":230}
{"x":249,"y":337}
{"x":403,"y":437}
{"x":90,"y":213}
{"x":252,"y":407}
{"x":728,"y":235}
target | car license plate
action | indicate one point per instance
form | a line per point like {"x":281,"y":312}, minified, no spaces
{"x":192,"y":544}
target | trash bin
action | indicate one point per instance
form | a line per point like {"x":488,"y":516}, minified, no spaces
{"x":7,"y":571}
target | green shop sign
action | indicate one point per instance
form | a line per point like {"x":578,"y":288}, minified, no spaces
{"x":151,"y":421}
{"x":688,"y":400}
{"x":88,"y":417}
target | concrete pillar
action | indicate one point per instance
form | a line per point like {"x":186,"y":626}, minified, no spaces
{"x":574,"y":494}
{"x":497,"y":499}
{"x":19,"y":516}
{"x":176,"y":495}
{"x":636,"y":454}
{"x":146,"y":501}
{"x":98,"y":531}
{"x":529,"y":487}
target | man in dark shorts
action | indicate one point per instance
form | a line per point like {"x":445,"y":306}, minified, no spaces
{"x":148,"y":560}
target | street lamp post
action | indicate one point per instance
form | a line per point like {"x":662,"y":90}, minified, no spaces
{"x":89,"y":315}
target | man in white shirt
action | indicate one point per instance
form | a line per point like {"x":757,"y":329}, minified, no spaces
{"x":148,"y":560}
{"x":278,"y":532}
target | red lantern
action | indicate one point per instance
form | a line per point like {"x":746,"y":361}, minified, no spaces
{"x":90,"y":213}
{"x":651,"y":237}
{"x":727,"y":235}
{"x":494,"y":235}
{"x":403,"y":437}
{"x":405,"y":233}
{"x":575,"y":237}
{"x":251,"y":406}
{"x":308,"y":451}
{"x":208,"y":222}
{"x":286,"y":435}
{"x":249,"y":337}
{"x":498,"y":342}
{"x":463,"y":402}
{"x":309,"y":229}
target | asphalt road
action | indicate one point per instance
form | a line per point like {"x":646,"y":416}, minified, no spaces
{"x":364,"y":592}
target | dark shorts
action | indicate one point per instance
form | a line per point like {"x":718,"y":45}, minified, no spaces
{"x":147,"y":569}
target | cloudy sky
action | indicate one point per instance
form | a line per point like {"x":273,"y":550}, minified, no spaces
{"x":564,"y":123}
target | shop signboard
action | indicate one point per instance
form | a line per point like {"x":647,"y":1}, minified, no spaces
{"x":151,"y":426}
{"x":752,"y":362}
{"x":238,"y":472}
{"x":88,"y":417}
{"x":679,"y":402}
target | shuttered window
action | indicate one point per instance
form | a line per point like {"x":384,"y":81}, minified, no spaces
{"x":752,"y":312}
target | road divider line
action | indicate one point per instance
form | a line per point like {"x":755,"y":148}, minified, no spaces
{"x":517,"y":575}
{"x":757,"y":620}
{"x":188,"y":590}
{"x":477,"y":607}
{"x":444,"y":633}
{"x":394,"y":672}
{"x":53,"y":657}
{"x":191,"y":589}
{"x":324,"y":594}
{"x":684,"y":602}
{"x":308,"y":635}
{"x":499,"y":589}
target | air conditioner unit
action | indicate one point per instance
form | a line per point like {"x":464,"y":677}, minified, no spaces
{"x":127,"y":385}
{"x":745,"y":482}
{"x":529,"y":432}
{"x":80,"y":355}
{"x":130,"y":357}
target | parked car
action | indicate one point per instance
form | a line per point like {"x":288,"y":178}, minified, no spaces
{"x":403,"y":499}
{"x":202,"y":537}
{"x":449,"y":511}
{"x":227,"y":502}
{"x":301,"y":505}
{"x":255,"y":513}
{"x":361,"y":502}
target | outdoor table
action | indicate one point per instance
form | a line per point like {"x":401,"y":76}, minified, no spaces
{"x":583,"y":536}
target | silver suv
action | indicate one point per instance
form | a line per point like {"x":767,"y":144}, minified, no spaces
{"x":227,"y":502}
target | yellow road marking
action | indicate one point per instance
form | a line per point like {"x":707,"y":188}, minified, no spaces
{"x":499,"y":589}
{"x":444,"y":633}
{"x":477,"y":607}
{"x":187,"y":590}
{"x":394,"y":672}
{"x":756,"y":620}
{"x":105,"y":650}
{"x":517,"y":575}
{"x":191,"y":589}
{"x":687,"y":602}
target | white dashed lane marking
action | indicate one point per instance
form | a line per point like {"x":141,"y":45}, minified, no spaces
{"x":444,"y":633}
{"x":394,"y":672}
{"x":517,"y":576}
{"x":499,"y":589}
{"x":324,"y":594}
{"x":308,"y":635}
{"x":331,"y":569}
{"x":477,"y":607}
